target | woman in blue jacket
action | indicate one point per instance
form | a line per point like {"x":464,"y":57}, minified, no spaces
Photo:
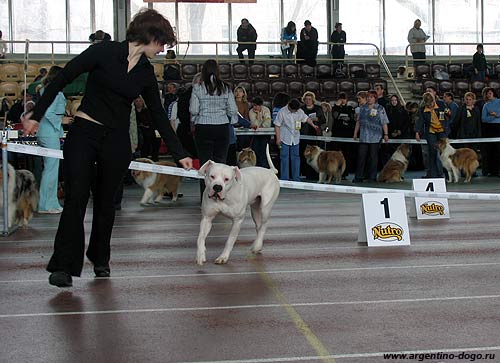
{"x":49,"y":134}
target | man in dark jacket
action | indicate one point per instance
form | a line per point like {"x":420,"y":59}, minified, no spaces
{"x":246,"y":33}
{"x":337,"y":51}
{"x":479,"y":64}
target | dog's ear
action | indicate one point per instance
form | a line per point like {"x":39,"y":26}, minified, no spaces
{"x":237,"y":174}
{"x":205,"y":167}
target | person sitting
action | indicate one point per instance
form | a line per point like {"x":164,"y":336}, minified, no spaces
{"x":42,"y":72}
{"x":246,"y":33}
{"x":288,"y":38}
{"x":260,"y":117}
{"x":17,"y":109}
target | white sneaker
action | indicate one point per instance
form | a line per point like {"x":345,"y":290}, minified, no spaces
{"x":51,"y":211}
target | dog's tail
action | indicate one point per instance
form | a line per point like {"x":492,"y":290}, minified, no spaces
{"x":270,"y":161}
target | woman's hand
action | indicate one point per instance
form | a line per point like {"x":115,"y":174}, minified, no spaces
{"x":30,"y":127}
{"x":417,"y":136}
{"x":186,"y":163}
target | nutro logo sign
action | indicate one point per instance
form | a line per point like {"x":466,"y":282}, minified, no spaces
{"x":432,"y":208}
{"x":387,"y":232}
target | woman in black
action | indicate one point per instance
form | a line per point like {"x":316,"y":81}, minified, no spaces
{"x":307,"y":48}
{"x":98,"y":142}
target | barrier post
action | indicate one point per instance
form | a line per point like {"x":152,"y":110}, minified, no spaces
{"x":5,"y":175}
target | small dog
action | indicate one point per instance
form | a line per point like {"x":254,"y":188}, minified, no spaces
{"x":326,"y":163}
{"x":246,"y":158}
{"x":228,"y":191}
{"x":394,"y":170}
{"x":456,"y":160}
{"x":22,"y":195}
{"x":156,"y":185}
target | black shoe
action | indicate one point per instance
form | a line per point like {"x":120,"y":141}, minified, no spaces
{"x":102,"y":271}
{"x":60,"y":279}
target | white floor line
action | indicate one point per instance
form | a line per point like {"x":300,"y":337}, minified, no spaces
{"x":186,"y":252}
{"x":353,"y":355}
{"x":256,"y":306}
{"x":277,"y":272}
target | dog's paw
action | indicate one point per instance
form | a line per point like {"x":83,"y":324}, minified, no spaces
{"x":221,"y":260}
{"x":200,"y":258}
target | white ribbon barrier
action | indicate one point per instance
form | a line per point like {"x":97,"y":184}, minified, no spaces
{"x":134,"y":165}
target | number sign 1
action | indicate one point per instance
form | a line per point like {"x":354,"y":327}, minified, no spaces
{"x":428,"y":207}
{"x":383,"y":220}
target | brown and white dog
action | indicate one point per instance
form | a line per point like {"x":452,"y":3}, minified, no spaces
{"x":246,"y":158}
{"x":22,"y":195}
{"x":456,"y":160}
{"x":394,"y":170}
{"x":327,"y":163}
{"x":156,"y":185}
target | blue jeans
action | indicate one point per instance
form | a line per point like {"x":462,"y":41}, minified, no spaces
{"x":435,"y":167}
{"x":50,"y":176}
{"x":289,"y":153}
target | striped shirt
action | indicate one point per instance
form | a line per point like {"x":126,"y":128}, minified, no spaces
{"x":212,"y":109}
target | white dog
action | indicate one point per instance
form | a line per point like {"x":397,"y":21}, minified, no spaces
{"x":228,"y":191}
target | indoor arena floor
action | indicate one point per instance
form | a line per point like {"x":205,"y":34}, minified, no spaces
{"x":313,"y":295}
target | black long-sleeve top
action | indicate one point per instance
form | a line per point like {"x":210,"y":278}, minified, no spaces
{"x":110,"y":90}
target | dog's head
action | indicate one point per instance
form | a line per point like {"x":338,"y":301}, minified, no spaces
{"x":405,"y":150}
{"x":246,"y":157}
{"x":311,"y":151}
{"x":219,"y":178}
{"x":140,"y":175}
{"x":441,"y":144}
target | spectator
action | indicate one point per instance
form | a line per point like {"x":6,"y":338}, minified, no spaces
{"x":417,"y":39}
{"x":432,"y":126}
{"x":381,"y":99}
{"x":491,"y":128}
{"x":479,"y":64}
{"x":184,"y":129}
{"x":3,"y":47}
{"x":337,"y":51}
{"x":468,"y":121}
{"x":240,"y":96}
{"x":343,"y":126}
{"x":99,"y":36}
{"x":171,"y":67}
{"x":213,"y":107}
{"x":17,"y":109}
{"x":326,"y":128}
{"x":372,"y":127}
{"x":169,"y":97}
{"x":150,"y":143}
{"x":98,"y":144}
{"x":246,"y":34}
{"x":41,"y":73}
{"x":280,"y":100}
{"x":260,"y":117}
{"x":450,"y":112}
{"x":399,"y":123}
{"x":307,"y":47}
{"x":288,"y":39}
{"x":315,"y":113}
{"x":48,"y":135}
{"x":287,"y":127}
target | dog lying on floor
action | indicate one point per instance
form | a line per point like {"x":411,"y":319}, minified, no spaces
{"x":22,"y":195}
{"x":156,"y":185}
{"x":228,"y":191}
{"x":246,"y":158}
{"x":394,"y":170}
{"x":329,"y":164}
{"x":456,"y":160}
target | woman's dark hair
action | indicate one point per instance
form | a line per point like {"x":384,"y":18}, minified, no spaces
{"x":290,"y":28}
{"x":53,"y":72}
{"x":150,"y":26}
{"x":294,"y":104}
{"x":487,"y":89}
{"x":99,"y":36}
{"x":307,"y":22}
{"x":257,"y":101}
{"x":280,"y":100}
{"x":211,"y":78}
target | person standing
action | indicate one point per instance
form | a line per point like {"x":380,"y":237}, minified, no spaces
{"x":479,"y":64}
{"x":3,"y":47}
{"x":288,"y":39}
{"x":337,"y":50}
{"x":490,"y":127}
{"x":48,"y":135}
{"x":246,"y":33}
{"x":260,"y":117}
{"x":372,"y":126}
{"x":417,"y":39}
{"x":97,"y":146}
{"x":307,"y":48}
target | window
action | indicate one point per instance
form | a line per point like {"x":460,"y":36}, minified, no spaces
{"x":168,"y":11}
{"x":299,"y":11}
{"x":79,"y":26}
{"x":399,"y":18}
{"x":104,"y":16}
{"x":362,"y":22}
{"x":264,"y":16}
{"x":491,"y":26}
{"x":202,"y":22}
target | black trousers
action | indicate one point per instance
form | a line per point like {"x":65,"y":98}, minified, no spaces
{"x":251,"y":52}
{"x":90,"y":151}
{"x":367,"y":161}
{"x":212,"y":143}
